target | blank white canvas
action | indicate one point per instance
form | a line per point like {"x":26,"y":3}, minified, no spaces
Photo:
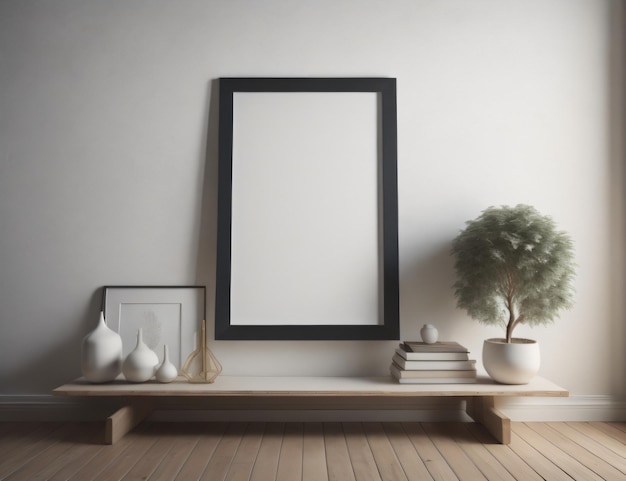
{"x":305,"y":209}
{"x":161,"y":323}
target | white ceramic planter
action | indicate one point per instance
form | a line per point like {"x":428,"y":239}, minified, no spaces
{"x":516,"y":362}
{"x":101,"y":354}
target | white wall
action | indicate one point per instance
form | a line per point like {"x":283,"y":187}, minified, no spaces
{"x":107,"y":173}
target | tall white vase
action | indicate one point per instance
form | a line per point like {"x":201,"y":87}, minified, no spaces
{"x":141,"y":363}
{"x":101,"y":355}
{"x":166,"y":372}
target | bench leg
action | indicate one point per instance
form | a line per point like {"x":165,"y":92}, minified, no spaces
{"x":123,"y":420}
{"x":483,"y":411}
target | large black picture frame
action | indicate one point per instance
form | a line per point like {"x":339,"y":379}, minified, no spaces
{"x":386,"y":215}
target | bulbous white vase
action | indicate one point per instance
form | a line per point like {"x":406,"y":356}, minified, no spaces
{"x":140,"y":364}
{"x":429,"y":334}
{"x":101,"y":354}
{"x":166,"y":372}
{"x":516,"y":362}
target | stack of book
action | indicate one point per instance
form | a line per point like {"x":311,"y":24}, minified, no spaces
{"x":438,"y":363}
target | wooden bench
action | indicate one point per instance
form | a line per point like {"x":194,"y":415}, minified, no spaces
{"x":353,"y":393}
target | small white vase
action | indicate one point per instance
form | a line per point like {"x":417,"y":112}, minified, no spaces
{"x":516,"y":362}
{"x":101,"y":354}
{"x":166,"y":372}
{"x":140,"y":364}
{"x":429,"y":334}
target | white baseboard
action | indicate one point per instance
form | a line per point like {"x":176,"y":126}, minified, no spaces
{"x":573,"y":408}
{"x":42,"y":408}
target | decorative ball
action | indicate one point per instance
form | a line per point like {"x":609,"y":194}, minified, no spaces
{"x":429,"y":334}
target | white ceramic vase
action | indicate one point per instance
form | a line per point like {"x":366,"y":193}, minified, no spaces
{"x":429,"y":334}
{"x":166,"y":372}
{"x":101,"y":354}
{"x":516,"y":362}
{"x":140,"y":364}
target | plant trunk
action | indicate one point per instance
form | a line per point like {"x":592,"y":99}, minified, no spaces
{"x":510,"y":326}
{"x":511,"y":308}
{"x":511,"y":323}
{"x":509,"y":331}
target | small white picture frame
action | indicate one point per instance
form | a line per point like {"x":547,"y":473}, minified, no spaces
{"x":169,"y":315}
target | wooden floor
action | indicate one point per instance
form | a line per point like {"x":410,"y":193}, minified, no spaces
{"x":314,"y":451}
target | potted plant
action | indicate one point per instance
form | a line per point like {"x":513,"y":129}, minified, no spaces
{"x":513,"y":267}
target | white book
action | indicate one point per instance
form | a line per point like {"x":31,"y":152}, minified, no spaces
{"x":447,"y":377}
{"x":451,"y":380}
{"x":398,"y":372}
{"x":432,"y":356}
{"x":433,"y":365}
{"x":441,"y":346}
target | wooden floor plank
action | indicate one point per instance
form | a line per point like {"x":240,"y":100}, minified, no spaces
{"x":12,"y":431}
{"x":314,"y":461}
{"x":437,"y":466}
{"x":183,"y":444}
{"x":557,"y":453}
{"x":165,"y":434}
{"x":412,"y":464}
{"x":105,"y":455}
{"x":535,"y":458}
{"x":599,"y":438}
{"x":516,"y":466}
{"x":313,"y":451}
{"x":460,"y":463}
{"x":363,"y":463}
{"x":479,"y":454}
{"x":620,"y":426}
{"x":586,"y":449}
{"x":208,"y":439}
{"x":81,"y":456}
{"x":389,"y":466}
{"x":247,"y":453}
{"x":266,"y":465}
{"x":611,"y":430}
{"x":141,"y":441}
{"x":51,"y":459}
{"x":78,"y":450}
{"x":220,"y":462}
{"x":24,"y":435}
{"x":337,"y":455}
{"x":290,"y":459}
{"x":28,"y":450}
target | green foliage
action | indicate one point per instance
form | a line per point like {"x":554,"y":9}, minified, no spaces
{"x":513,"y":267}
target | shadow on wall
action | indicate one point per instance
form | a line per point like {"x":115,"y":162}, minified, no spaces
{"x":426,"y":293}
{"x":617,"y":201}
{"x":60,"y":363}
{"x":207,"y":246}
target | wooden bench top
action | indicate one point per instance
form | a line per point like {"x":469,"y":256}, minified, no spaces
{"x":310,"y":387}
{"x":350,"y":392}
